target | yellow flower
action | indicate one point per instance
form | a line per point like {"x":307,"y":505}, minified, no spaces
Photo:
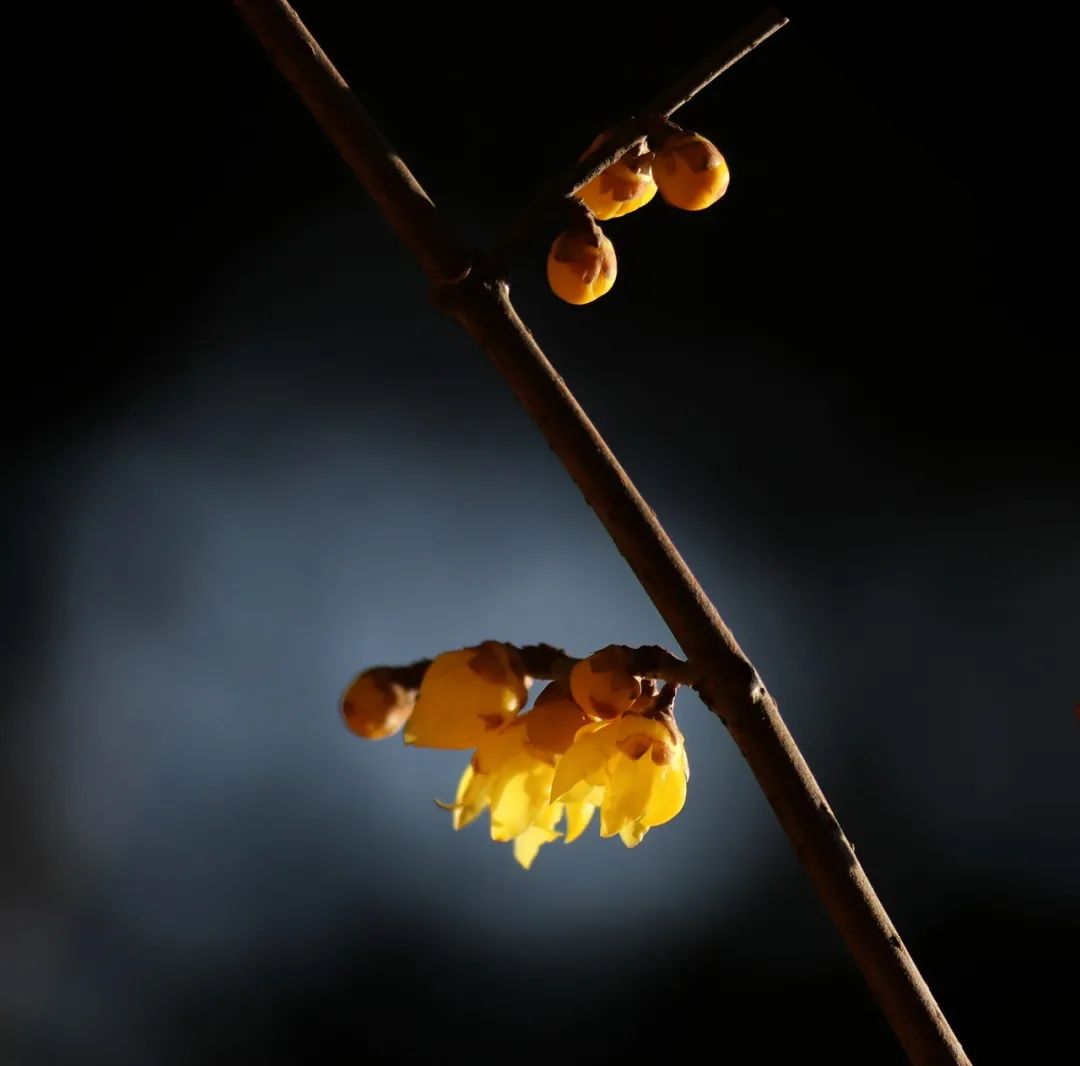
{"x":602,"y":685}
{"x":375,"y":706}
{"x":639,"y":762}
{"x":691,"y":172}
{"x":511,"y":778}
{"x":465,"y":694}
{"x":623,"y":187}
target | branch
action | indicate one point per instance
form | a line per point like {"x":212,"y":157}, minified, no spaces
{"x":630,"y":133}
{"x":543,"y":662}
{"x":356,"y":137}
{"x":727,"y":682}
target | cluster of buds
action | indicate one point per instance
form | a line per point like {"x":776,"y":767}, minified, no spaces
{"x":687,"y":170}
{"x":601,"y":735}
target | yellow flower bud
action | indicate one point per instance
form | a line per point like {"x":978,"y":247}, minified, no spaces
{"x":690,"y":172}
{"x":581,"y":265}
{"x":554,"y":720}
{"x":465,"y":694}
{"x":375,"y":706}
{"x":623,"y":187}
{"x":602,"y":685}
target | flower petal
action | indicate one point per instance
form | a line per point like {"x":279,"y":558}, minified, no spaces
{"x":527,"y":844}
{"x":585,"y":760}
{"x":522,"y":800}
{"x":633,"y":833}
{"x":471,"y":797}
{"x":578,"y":816}
{"x":627,"y":793}
{"x":667,"y":796}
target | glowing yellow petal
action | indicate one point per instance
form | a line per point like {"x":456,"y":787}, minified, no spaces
{"x":542,"y":831}
{"x":471,"y":797}
{"x":578,"y":816}
{"x":633,"y":834}
{"x":627,"y":793}
{"x":585,"y":760}
{"x":527,"y":844}
{"x":583,"y":792}
{"x":512,"y":813}
{"x":522,"y":800}
{"x":667,"y":796}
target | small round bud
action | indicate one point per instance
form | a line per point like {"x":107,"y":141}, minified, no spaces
{"x":603,"y":685}
{"x":623,"y":187}
{"x":581,"y":265}
{"x":554,"y":720}
{"x":375,"y":706}
{"x":690,"y":172}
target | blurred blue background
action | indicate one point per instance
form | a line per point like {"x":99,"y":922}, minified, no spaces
{"x":278,"y":465}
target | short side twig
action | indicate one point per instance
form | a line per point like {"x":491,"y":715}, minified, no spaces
{"x":727,"y":682}
{"x":542,"y":662}
{"x":629,"y":133}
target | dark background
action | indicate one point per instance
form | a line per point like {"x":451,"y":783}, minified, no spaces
{"x":246,"y":458}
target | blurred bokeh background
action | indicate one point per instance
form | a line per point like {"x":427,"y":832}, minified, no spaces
{"x":250,"y":459}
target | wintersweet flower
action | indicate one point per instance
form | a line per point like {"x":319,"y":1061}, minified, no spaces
{"x":465,"y":694}
{"x":511,"y":778}
{"x":600,"y":737}
{"x":639,"y":762}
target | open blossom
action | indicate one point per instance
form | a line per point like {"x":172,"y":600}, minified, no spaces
{"x":633,"y":768}
{"x":599,"y":737}
{"x":511,"y":778}
{"x":639,"y":762}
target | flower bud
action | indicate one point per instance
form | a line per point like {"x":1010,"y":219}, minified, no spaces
{"x":375,"y":706}
{"x":581,"y":265}
{"x":690,"y":172}
{"x":623,"y":187}
{"x":603,"y":685}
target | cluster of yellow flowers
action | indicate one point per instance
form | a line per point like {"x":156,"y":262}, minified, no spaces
{"x":599,"y":739}
{"x":689,"y":173}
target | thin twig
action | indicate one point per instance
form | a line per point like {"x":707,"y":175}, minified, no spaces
{"x":346,"y":122}
{"x":542,"y":662}
{"x":629,"y":133}
{"x":728,"y":683}
{"x":677,"y":95}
